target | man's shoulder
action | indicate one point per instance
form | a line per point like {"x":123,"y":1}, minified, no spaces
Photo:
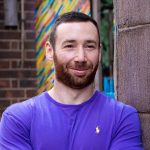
{"x":21,"y":114}
{"x":24,"y":108}
{"x":112,"y":104}
{"x":121,"y":114}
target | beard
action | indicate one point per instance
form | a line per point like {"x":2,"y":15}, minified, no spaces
{"x":75,"y":82}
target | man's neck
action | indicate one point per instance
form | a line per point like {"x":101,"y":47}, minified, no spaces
{"x":66,"y":95}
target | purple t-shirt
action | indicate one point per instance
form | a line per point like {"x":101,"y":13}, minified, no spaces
{"x":41,"y":123}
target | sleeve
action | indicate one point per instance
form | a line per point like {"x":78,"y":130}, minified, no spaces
{"x":14,"y":131}
{"x":128,"y":133}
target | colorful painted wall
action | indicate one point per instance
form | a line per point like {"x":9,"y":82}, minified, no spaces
{"x":46,"y":13}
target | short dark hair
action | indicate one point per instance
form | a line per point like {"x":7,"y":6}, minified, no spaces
{"x":67,"y":18}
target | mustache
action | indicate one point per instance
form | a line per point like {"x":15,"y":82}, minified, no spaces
{"x":80,"y":66}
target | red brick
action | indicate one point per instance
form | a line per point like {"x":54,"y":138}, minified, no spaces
{"x":30,"y":35}
{"x":31,"y":93}
{"x":29,"y":64}
{"x":4,"y":45}
{"x":11,"y":93}
{"x":10,"y":35}
{"x":29,"y":6}
{"x":26,"y":64}
{"x":18,"y":74}
{"x":30,"y":16}
{"x":31,"y":54}
{"x":29,"y":45}
{"x":14,"y":83}
{"x":9,"y":54}
{"x":16,"y":63}
{"x":4,"y":83}
{"x":28,"y":73}
{"x":27,"y":83}
{"x":29,"y":26}
{"x":15,"y":45}
{"x":4,"y":64}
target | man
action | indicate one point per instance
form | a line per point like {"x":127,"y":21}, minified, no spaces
{"x":72,"y":115}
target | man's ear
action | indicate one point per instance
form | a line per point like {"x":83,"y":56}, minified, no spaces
{"x":49,"y":51}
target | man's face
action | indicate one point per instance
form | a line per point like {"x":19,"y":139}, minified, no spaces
{"x":76,"y":54}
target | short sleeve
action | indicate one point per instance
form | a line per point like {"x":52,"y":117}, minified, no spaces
{"x":128,"y":132}
{"x":14,"y":129}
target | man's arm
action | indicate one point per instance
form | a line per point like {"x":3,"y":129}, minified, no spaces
{"x":14,"y":132}
{"x":128,"y":132}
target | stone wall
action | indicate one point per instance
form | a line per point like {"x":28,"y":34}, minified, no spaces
{"x":132,"y":58}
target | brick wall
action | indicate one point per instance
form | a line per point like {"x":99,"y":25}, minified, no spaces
{"x":17,"y":82}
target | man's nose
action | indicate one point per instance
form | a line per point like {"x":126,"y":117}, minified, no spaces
{"x":81,"y":54}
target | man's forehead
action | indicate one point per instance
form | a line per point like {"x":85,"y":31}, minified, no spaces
{"x":72,"y":27}
{"x":81,"y":31}
{"x":72,"y":24}
{"x":90,"y":40}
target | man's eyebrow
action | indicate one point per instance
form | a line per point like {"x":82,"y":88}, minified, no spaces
{"x":91,"y":41}
{"x":69,"y":41}
{"x":74,"y":41}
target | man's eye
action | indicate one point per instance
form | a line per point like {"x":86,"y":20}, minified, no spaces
{"x":68,"y":46}
{"x":90,"y":46}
